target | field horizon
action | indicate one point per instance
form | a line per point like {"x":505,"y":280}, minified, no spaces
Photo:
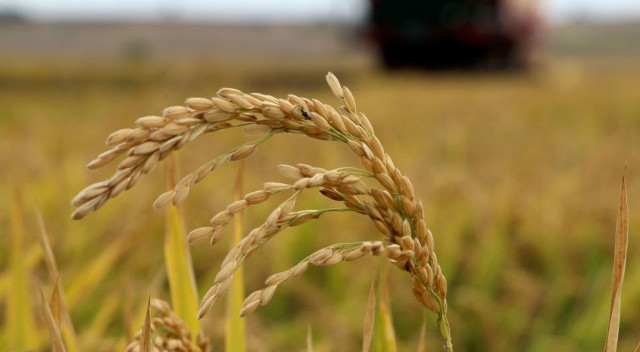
{"x":519,"y":174}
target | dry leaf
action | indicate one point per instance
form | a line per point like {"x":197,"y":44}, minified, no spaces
{"x":145,"y":339}
{"x":54,"y":304}
{"x":619,"y":264}
{"x":369,"y":319}
{"x":54,"y":330}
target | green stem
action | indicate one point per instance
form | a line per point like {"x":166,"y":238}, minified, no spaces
{"x":445,"y":331}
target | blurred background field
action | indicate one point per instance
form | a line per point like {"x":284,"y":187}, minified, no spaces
{"x":519,"y":173}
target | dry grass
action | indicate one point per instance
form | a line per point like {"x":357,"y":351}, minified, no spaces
{"x":58,"y":305}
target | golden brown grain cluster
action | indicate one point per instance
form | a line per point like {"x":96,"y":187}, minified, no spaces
{"x":168,"y":333}
{"x":379,"y":190}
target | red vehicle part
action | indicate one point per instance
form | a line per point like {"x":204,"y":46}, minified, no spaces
{"x":454,"y":33}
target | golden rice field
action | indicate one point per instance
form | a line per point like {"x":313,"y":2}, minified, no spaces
{"x":519,"y":175}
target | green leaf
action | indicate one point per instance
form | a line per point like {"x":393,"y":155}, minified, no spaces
{"x":32,"y":256}
{"x":384,"y":335}
{"x":94,"y":272}
{"x":309,"y":339}
{"x":177,"y":259}
{"x":21,"y":333}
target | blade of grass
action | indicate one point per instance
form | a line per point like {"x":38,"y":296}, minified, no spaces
{"x":384,"y":334}
{"x":182,"y":285}
{"x":54,"y":331}
{"x":154,"y":289}
{"x":68,"y":331}
{"x":19,"y":319}
{"x":309,"y":339}
{"x":369,"y":318}
{"x":104,"y":316}
{"x":235,"y":338}
{"x":619,"y":264}
{"x":127,"y":311}
{"x":423,"y":334}
{"x":145,"y":339}
{"x":93,"y":273}
{"x":121,"y":345}
{"x":32,"y":257}
{"x":54,"y":305}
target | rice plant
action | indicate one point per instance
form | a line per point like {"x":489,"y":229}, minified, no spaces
{"x":378,"y":190}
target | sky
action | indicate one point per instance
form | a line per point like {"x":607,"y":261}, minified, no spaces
{"x":291,"y":11}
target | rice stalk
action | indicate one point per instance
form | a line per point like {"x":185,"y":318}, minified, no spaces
{"x":309,"y":339}
{"x":235,"y":336}
{"x":331,"y":255}
{"x":388,"y":200}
